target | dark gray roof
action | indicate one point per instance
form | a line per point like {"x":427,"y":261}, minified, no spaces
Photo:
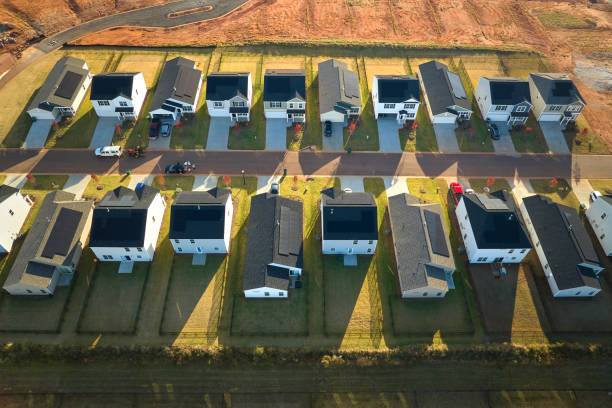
{"x":179,"y":81}
{"x":349,"y":216}
{"x":52,"y":240}
{"x":284,"y":84}
{"x":120,"y":219}
{"x":443,"y":88}
{"x":565,"y":242}
{"x":61,"y":85}
{"x":222,"y":86}
{"x":6,"y":192}
{"x":338,"y":87}
{"x":556,"y":89}
{"x":607,"y":198}
{"x":109,"y":85}
{"x":418,"y":264}
{"x":397,"y":88}
{"x":199,"y":214}
{"x":495,"y":222}
{"x":274,"y":236}
{"x":509,"y":91}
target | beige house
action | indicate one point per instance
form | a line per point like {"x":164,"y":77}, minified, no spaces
{"x":555,"y":98}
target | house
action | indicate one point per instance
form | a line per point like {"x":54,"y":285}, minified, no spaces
{"x":177,"y":91}
{"x":555,"y":98}
{"x":349,"y":222}
{"x":229,"y":94}
{"x":396,"y":96}
{"x":14,"y":209}
{"x":118,"y":94}
{"x":126,"y":224}
{"x":51,"y":251}
{"x":284,"y":94}
{"x":423,"y":255}
{"x":443,"y":93}
{"x":491,"y":229}
{"x":201,"y":221}
{"x":63,"y":91}
{"x":339,"y":97}
{"x":599,"y":215}
{"x":567,"y":256}
{"x":504,"y":100}
{"x":274,"y":252}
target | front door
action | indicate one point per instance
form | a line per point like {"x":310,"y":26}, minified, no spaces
{"x":199,"y":250}
{"x":564,"y":120}
{"x":126,"y":258}
{"x":350,"y":250}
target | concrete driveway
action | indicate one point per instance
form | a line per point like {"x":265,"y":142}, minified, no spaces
{"x":37,"y":135}
{"x":334,"y":142}
{"x":445,"y":135}
{"x":388,"y":135}
{"x":218,"y":133}
{"x":504,"y":144}
{"x":103,"y":135}
{"x":554,"y":137}
{"x":354,"y":183}
{"x":395,"y":186}
{"x":276,"y":134}
{"x":162,"y":142}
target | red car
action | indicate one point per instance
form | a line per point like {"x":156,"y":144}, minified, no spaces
{"x":456,"y":191}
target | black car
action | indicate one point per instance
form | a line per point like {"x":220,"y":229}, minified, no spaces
{"x":493,"y":131}
{"x":177,"y":168}
{"x":328,"y":128}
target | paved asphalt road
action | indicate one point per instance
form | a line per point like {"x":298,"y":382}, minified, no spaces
{"x":72,"y":161}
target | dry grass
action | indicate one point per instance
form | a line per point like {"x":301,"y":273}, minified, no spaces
{"x":560,"y":193}
{"x":234,"y":62}
{"x":384,"y":66}
{"x":283,"y":62}
{"x":604,"y":186}
{"x":482,"y":65}
{"x":415,"y":62}
{"x":108,"y":183}
{"x":351,"y":62}
{"x":150,"y":64}
{"x":519,"y":66}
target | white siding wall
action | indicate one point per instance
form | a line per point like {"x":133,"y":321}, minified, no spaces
{"x":332,"y":116}
{"x":430,"y":292}
{"x":348,"y":247}
{"x":379,"y":107}
{"x":139,"y":92}
{"x":11,"y":224}
{"x":601,"y":227}
{"x":81,"y":94}
{"x":261,"y":293}
{"x":483,"y":97}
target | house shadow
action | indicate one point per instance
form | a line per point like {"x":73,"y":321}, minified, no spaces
{"x":16,"y":136}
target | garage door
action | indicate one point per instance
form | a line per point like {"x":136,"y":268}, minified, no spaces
{"x":444,"y":119}
{"x":547,"y":117}
{"x":498,"y":117}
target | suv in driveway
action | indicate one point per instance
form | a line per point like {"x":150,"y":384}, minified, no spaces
{"x":493,"y":131}
{"x":165,"y":130}
{"x":154,"y":129}
{"x":328,"y":128}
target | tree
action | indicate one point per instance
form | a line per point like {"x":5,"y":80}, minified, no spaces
{"x":94,"y":177}
{"x":31,"y":178}
{"x":490,"y":182}
{"x":227,"y":180}
{"x":161,"y":180}
{"x":298,"y":128}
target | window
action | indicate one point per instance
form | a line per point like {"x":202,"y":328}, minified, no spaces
{"x":464,"y":236}
{"x":514,"y":257}
{"x":127,"y":249}
{"x":369,"y":250}
{"x":577,"y":293}
{"x":523,"y":251}
{"x":275,"y":104}
{"x":216,"y":248}
{"x":409,"y":105}
{"x":466,"y":216}
{"x":603,"y":216}
{"x":180,"y":249}
{"x":602,"y":236}
{"x":153,"y":218}
{"x":521,"y":108}
{"x":573,"y":108}
{"x":177,"y":241}
{"x":123,"y":103}
{"x":42,"y":291}
{"x":439,"y":294}
{"x":107,"y":256}
{"x":389,"y":105}
{"x":482,"y":259}
{"x":355,"y":242}
{"x":28,"y":290}
{"x":410,"y":115}
{"x":333,"y":249}
{"x":425,"y":294}
{"x":138,"y":256}
{"x":501,"y":107}
{"x":192,"y":241}
{"x":217,"y":105}
{"x":238,"y":104}
{"x":11,"y":212}
{"x":300,"y":106}
{"x":103,"y":103}
{"x":555,"y":107}
{"x":291,"y":106}
{"x":511,"y":251}
{"x":281,"y":293}
{"x":461,"y":225}
{"x":370,"y":242}
{"x":266,"y":293}
{"x":591,"y":293}
{"x":139,"y":249}
{"x":546,"y":266}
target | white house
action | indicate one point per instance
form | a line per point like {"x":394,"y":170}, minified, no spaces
{"x":444,"y":94}
{"x":284,"y":94}
{"x":118,"y":94}
{"x":567,"y":256}
{"x":555,"y":98}
{"x":423,"y":256}
{"x":491,"y":229}
{"x":504,"y":100}
{"x":349,"y":222}
{"x":63,"y":91}
{"x":274,"y":251}
{"x":396,"y":96}
{"x":14,"y":209}
{"x":201,"y":221}
{"x":51,"y":251}
{"x":599,"y":215}
{"x":229,"y":95}
{"x":126,"y":224}
{"x":339,"y":95}
{"x":177,"y":91}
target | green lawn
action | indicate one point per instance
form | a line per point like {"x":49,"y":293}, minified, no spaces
{"x":589,"y":142}
{"x":531,"y":141}
{"x":425,"y":188}
{"x":193,"y":134}
{"x":172,"y":183}
{"x":425,"y":140}
{"x":311,"y":131}
{"x":107,"y":183}
{"x":560,"y":19}
{"x":478,"y":185}
{"x":476,"y":140}
{"x":113,"y":301}
{"x":604,"y":186}
{"x":78,"y":131}
{"x":560,"y":193}
{"x":2,"y":178}
{"x":365,"y":136}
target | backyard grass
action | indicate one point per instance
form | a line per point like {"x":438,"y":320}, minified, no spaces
{"x":149,"y":63}
{"x":425,"y":139}
{"x":561,"y":192}
{"x":560,"y":19}
{"x":384,"y":66}
{"x":365,"y":136}
{"x":589,"y":142}
{"x":107,"y":182}
{"x":478,"y":185}
{"x":604,"y":186}
{"x":311,"y":134}
{"x":531,"y":141}
{"x":113,"y":301}
{"x":173,"y":183}
{"x":519,"y":65}
{"x":481,"y":65}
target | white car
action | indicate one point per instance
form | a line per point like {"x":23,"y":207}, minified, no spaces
{"x":108,"y":151}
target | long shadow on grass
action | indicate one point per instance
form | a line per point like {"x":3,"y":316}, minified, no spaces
{"x":19,"y":131}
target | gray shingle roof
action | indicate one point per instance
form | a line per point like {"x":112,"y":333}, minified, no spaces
{"x":509,"y":91}
{"x":338,"y":87}
{"x":179,"y":81}
{"x":564,"y":241}
{"x":274,"y":236}
{"x":349,"y":216}
{"x":61,"y":85}
{"x":109,"y":85}
{"x":397,"y":88}
{"x":556,"y":89}
{"x":418,"y":266}
{"x":284,"y":84}
{"x":439,"y":85}
{"x":199,"y":214}
{"x":223,"y":86}
{"x":6,"y":192}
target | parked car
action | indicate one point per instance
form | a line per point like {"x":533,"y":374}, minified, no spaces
{"x":275,"y":188}
{"x":328,"y":128}
{"x":594,"y":195}
{"x":108,"y":151}
{"x":154,"y":129}
{"x":493,"y":131}
{"x":165,"y":130}
{"x":177,"y":168}
{"x":456,"y":191}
